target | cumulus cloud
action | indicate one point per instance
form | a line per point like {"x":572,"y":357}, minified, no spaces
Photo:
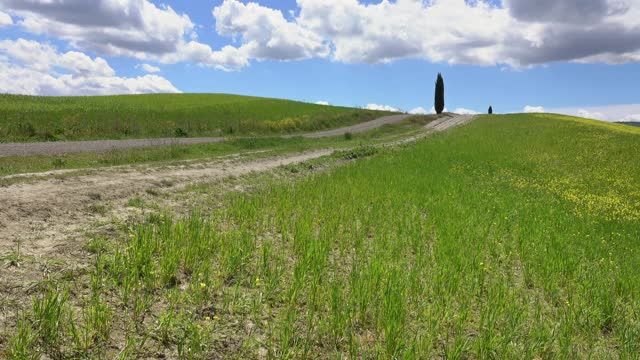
{"x":567,"y":11}
{"x":419,"y":111}
{"x":422,"y":111}
{"x":132,"y":28}
{"x":322,"y":103}
{"x":522,"y":33}
{"x":148,"y":68}
{"x":5,"y":19}
{"x":433,"y":110}
{"x":44,"y":57}
{"x":126,"y":27}
{"x":42,"y":70}
{"x":476,"y":32}
{"x":590,"y":114}
{"x":463,"y":111}
{"x":631,"y":118}
{"x":612,"y":113}
{"x":388,"y":31}
{"x":381,"y":107}
{"x":265,"y":32}
{"x":533,"y":109}
{"x":518,"y":33}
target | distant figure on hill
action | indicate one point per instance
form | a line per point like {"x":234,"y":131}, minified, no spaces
{"x":490,"y":110}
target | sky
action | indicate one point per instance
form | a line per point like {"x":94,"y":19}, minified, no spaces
{"x":579,"y":57}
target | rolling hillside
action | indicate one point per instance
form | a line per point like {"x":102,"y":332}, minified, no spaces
{"x":30,"y":118}
{"x":515,"y":236}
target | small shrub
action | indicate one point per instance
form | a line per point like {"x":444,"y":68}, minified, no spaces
{"x":176,"y":151}
{"x":26,"y":129}
{"x":14,"y":258}
{"x":48,"y":136}
{"x":251,"y":143}
{"x":58,"y":163}
{"x":97,"y":208}
{"x":96,"y":245}
{"x":49,"y":319}
{"x":348,"y":136}
{"x":136,"y":202}
{"x":180,"y":132}
{"x":359,"y":152}
{"x":23,"y":344}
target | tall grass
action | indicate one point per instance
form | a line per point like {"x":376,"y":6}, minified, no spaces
{"x":31,"y":118}
{"x":513,"y":237}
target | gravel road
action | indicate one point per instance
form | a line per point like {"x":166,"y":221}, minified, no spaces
{"x":100,"y":146}
{"x":358,"y":128}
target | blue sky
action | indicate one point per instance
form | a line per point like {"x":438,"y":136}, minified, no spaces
{"x":512,"y":54}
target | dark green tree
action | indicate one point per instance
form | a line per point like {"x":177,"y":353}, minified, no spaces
{"x":439,"y":97}
{"x":490,"y":110}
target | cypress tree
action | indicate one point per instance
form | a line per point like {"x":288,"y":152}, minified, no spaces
{"x":490,"y":110}
{"x":439,"y":97}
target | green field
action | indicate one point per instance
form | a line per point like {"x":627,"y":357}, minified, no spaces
{"x":512,"y":237}
{"x":34,"y":118}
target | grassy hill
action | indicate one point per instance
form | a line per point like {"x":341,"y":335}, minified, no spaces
{"x":32,"y":118}
{"x":515,"y":236}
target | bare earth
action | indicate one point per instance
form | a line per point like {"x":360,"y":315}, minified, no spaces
{"x":100,"y":146}
{"x":47,"y":217}
{"x":37,"y":211}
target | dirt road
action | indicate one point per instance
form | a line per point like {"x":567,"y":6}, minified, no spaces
{"x":99,"y":146}
{"x":358,"y":128}
{"x":41,"y":213}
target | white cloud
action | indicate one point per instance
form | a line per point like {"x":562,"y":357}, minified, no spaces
{"x":631,"y":118}
{"x":518,"y":33}
{"x":148,"y":68}
{"x":433,"y":110}
{"x":131,"y":28}
{"x":44,"y":57}
{"x":39,"y":69}
{"x":5,"y":19}
{"x":418,"y":111}
{"x":265,"y":32}
{"x":590,"y":115}
{"x":123,"y":27}
{"x":533,"y":109}
{"x":381,"y":107}
{"x":612,"y":113}
{"x":470,"y":32}
{"x":322,"y":103}
{"x":463,"y":111}
{"x":458,"y":32}
{"x":422,"y":111}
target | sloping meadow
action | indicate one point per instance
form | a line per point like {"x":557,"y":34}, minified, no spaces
{"x":512,"y":237}
{"x":43,"y":118}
